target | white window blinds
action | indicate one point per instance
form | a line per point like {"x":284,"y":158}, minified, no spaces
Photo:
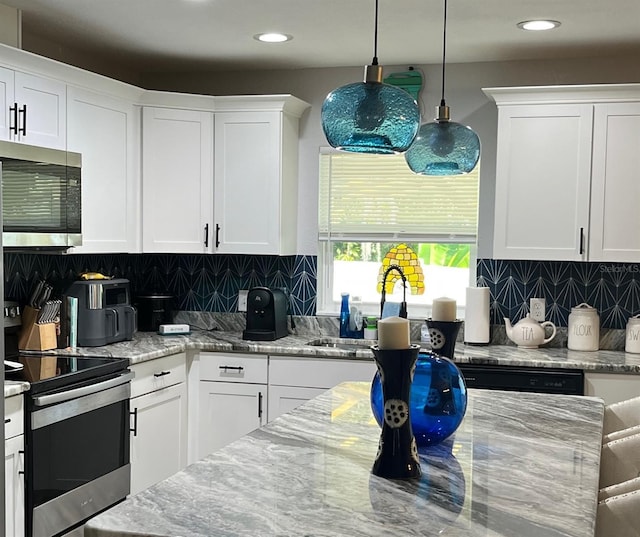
{"x":364,"y":197}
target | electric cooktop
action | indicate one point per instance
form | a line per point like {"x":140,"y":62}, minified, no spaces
{"x":51,"y":373}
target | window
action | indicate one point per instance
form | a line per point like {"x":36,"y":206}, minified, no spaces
{"x":371,"y":204}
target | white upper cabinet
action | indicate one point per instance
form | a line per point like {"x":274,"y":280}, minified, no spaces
{"x":565,"y":167}
{"x":615,"y":183}
{"x":177,"y":180}
{"x":105,"y":131}
{"x":33,"y":109}
{"x":256,"y":174}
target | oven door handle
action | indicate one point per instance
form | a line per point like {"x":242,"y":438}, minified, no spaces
{"x":44,"y":400}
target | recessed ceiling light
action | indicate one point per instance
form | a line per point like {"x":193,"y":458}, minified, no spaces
{"x":272,"y":37}
{"x":538,"y":25}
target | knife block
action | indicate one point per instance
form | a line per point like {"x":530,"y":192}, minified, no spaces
{"x":34,"y":336}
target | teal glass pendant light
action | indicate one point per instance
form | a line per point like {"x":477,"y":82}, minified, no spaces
{"x":370,"y":116}
{"x":443,"y":147}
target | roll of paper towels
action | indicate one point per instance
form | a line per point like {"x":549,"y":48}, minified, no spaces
{"x":476,"y":318}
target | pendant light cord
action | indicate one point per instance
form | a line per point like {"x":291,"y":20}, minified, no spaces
{"x":444,"y":49}
{"x":375,"y":38}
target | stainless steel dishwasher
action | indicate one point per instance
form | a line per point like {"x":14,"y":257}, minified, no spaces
{"x":523,"y":379}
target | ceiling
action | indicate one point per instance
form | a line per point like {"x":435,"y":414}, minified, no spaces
{"x":148,"y":35}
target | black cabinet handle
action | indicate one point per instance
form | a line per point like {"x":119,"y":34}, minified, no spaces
{"x":217,"y":235}
{"x":135,"y":421}
{"x":581,"y":240}
{"x":7,"y":420}
{"x":162,"y":374}
{"x":260,"y":404}
{"x":206,"y":235}
{"x":23,"y":111}
{"x":13,"y":110}
{"x":226,"y":368}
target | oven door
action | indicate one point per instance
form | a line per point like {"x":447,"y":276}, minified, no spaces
{"x":77,"y":454}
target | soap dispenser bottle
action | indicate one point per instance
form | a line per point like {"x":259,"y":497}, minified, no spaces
{"x":344,"y":315}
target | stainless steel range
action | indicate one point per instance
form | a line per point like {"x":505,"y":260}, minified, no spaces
{"x":76,"y":440}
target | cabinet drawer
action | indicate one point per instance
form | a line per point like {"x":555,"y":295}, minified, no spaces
{"x":13,"y":416}
{"x":318,"y":373}
{"x":248,"y":368}
{"x":157,"y":374}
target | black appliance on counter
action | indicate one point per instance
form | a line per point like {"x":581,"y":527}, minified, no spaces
{"x":77,"y":433}
{"x":266,"y":314}
{"x":105,"y":314}
{"x":154,"y":309}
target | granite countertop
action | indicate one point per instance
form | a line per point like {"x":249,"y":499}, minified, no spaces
{"x":520,"y":464}
{"x":15,"y":387}
{"x":149,"y":345}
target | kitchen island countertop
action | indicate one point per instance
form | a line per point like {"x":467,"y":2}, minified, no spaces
{"x":149,"y":345}
{"x":520,"y":464}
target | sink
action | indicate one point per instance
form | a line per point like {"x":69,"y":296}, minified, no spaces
{"x":342,"y":343}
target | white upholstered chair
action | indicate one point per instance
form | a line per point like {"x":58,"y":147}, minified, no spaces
{"x":622,"y":433}
{"x":620,"y":460}
{"x":619,"y":516}
{"x":622,"y":415}
{"x":619,"y":488}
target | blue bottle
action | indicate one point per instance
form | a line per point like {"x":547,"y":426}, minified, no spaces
{"x":344,"y":315}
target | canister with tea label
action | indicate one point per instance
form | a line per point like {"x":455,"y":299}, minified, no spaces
{"x":584,"y":328}
{"x":632,"y":340}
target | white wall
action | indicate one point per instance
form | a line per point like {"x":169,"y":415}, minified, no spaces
{"x":469,"y":105}
{"x":10,"y":26}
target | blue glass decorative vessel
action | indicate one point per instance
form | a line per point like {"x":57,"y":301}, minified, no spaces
{"x":370,"y":117}
{"x":438,"y":399}
{"x":444,"y":147}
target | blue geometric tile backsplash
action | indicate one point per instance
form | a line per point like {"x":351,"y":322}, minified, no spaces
{"x":612,"y":288}
{"x":199,"y":282}
{"x":212,"y":282}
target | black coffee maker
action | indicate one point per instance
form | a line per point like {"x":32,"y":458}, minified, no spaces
{"x":266,"y":314}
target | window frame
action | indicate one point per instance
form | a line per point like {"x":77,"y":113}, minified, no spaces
{"x":325,"y":305}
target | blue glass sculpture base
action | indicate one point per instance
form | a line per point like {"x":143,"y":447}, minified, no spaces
{"x":438,"y":399}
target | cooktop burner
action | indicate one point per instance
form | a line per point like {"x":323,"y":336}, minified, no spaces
{"x":51,"y":373}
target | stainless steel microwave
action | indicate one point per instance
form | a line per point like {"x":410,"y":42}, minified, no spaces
{"x":41,"y":197}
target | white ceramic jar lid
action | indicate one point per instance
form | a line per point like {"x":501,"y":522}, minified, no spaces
{"x":583,"y":308}
{"x":634,"y":320}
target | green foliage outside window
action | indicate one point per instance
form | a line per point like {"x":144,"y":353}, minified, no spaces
{"x":443,"y":255}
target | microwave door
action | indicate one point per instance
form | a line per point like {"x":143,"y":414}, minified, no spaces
{"x":41,"y":198}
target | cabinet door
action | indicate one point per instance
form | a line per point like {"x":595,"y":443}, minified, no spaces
{"x":543,"y":172}
{"x":7,"y":100}
{"x":247,"y":182}
{"x":103,"y":130}
{"x":283,"y":399}
{"x":159,"y":443}
{"x":611,"y":387}
{"x":14,"y":486}
{"x":177,"y":180}
{"x":228,"y":411}
{"x":45,"y":120}
{"x":615,"y":190}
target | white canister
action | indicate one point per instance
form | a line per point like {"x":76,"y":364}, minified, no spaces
{"x":632,"y":339}
{"x":584,"y":328}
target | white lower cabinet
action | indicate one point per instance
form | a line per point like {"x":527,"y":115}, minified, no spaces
{"x":295,"y":380}
{"x":611,"y":387}
{"x":14,"y":467}
{"x":158,"y":420}
{"x":283,"y":399}
{"x":232,"y":398}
